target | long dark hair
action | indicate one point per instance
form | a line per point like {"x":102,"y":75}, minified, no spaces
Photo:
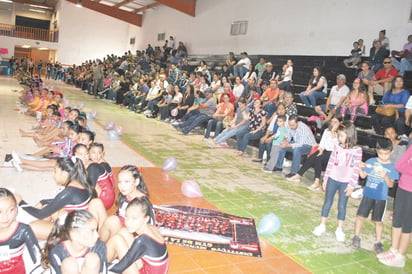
{"x":351,"y":136}
{"x":316,"y":78}
{"x":142,"y":187}
{"x":61,"y":232}
{"x":75,"y":168}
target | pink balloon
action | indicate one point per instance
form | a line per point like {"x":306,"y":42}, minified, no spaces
{"x":191,"y":189}
{"x":119,"y":130}
{"x":109,"y":126}
{"x":170,"y":164}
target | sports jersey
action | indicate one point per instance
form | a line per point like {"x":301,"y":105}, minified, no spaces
{"x":152,"y":253}
{"x":11,"y":250}
{"x":98,"y":175}
{"x":70,"y":199}
{"x":376,"y":187}
{"x":59,"y":252}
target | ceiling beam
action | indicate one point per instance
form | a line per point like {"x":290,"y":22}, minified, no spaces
{"x":34,"y":3}
{"x":118,"y":5}
{"x":132,"y":18}
{"x":185,"y":6}
{"x":147,"y":7}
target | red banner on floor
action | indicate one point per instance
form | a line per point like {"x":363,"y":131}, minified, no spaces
{"x":206,"y":229}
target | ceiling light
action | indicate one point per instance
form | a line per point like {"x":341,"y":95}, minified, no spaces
{"x":37,"y":6}
{"x":43,"y":48}
{"x":38,"y":11}
{"x":26,"y":46}
{"x":79,"y":4}
{"x":6,"y":1}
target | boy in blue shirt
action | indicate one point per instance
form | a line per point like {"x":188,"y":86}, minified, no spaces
{"x":280,"y":134}
{"x":381,"y":174}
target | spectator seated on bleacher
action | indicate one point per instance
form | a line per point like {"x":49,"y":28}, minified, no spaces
{"x":242,"y":66}
{"x":231,"y":61}
{"x":251,"y":82}
{"x":205,"y":112}
{"x":270,"y":98}
{"x":395,"y":98}
{"x":290,"y":106}
{"x":286,"y":78}
{"x":356,"y":102}
{"x":376,"y":55}
{"x":267,"y":75}
{"x":317,"y":88}
{"x":355,"y":56}
{"x":382,"y":80}
{"x":402,"y":60}
{"x":265,"y":142}
{"x":408,"y":109}
{"x":260,"y":67}
{"x":238,"y":88}
{"x":365,"y":75}
{"x":204,"y":71}
{"x":299,"y":142}
{"x":335,"y":100}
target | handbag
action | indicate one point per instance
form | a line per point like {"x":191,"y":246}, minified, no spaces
{"x":386,"y":111}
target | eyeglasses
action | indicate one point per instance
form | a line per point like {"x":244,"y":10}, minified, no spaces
{"x":387,"y":62}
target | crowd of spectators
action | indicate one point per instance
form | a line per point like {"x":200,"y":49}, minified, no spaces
{"x":253,"y":102}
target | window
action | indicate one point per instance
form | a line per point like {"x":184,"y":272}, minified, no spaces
{"x":161,"y":36}
{"x":238,"y":28}
{"x":132,"y":41}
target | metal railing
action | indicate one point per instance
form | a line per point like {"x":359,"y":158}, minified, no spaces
{"x":29,"y":33}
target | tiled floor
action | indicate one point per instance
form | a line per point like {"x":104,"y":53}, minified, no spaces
{"x":229,"y":183}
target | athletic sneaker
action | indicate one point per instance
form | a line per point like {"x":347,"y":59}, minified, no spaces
{"x":16,"y":165}
{"x":16,"y":157}
{"x":378,"y":247}
{"x":356,"y":242}
{"x":266,"y":170}
{"x":396,"y":260}
{"x":340,"y":235}
{"x":319,"y":230}
{"x":388,"y":253}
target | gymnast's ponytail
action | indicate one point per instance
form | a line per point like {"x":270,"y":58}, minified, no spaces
{"x":61,"y":232}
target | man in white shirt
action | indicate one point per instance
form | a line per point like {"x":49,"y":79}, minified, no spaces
{"x":335,"y":100}
{"x":242,"y":65}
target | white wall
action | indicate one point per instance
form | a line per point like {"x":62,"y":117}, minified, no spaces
{"x":86,"y":34}
{"x":296,"y":27}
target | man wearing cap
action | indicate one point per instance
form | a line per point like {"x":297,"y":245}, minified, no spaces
{"x":242,"y":65}
{"x":335,"y":100}
{"x":267,"y":75}
{"x":206,"y":110}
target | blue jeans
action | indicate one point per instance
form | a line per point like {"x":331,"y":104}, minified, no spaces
{"x":218,"y":124}
{"x":310,"y":100}
{"x":244,"y":137}
{"x":270,"y":109}
{"x":402,"y":66}
{"x":331,"y":188}
{"x":193,"y":121}
{"x":265,"y":146}
{"x":228,"y":133}
{"x":297,"y":152}
{"x":239,"y":71}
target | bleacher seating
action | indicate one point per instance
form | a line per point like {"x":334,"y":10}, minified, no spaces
{"x":303,"y":65}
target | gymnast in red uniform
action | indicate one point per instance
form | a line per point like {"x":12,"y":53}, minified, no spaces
{"x":140,"y":247}
{"x":97,"y":175}
{"x":14,"y":236}
{"x":131,"y":185}
{"x":73,"y":246}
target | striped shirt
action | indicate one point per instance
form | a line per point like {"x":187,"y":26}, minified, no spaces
{"x":302,"y":135}
{"x":343,"y":165}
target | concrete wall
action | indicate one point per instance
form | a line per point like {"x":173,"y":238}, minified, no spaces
{"x":298,"y":27}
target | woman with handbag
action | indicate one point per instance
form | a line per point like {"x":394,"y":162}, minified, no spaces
{"x":392,"y":110}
